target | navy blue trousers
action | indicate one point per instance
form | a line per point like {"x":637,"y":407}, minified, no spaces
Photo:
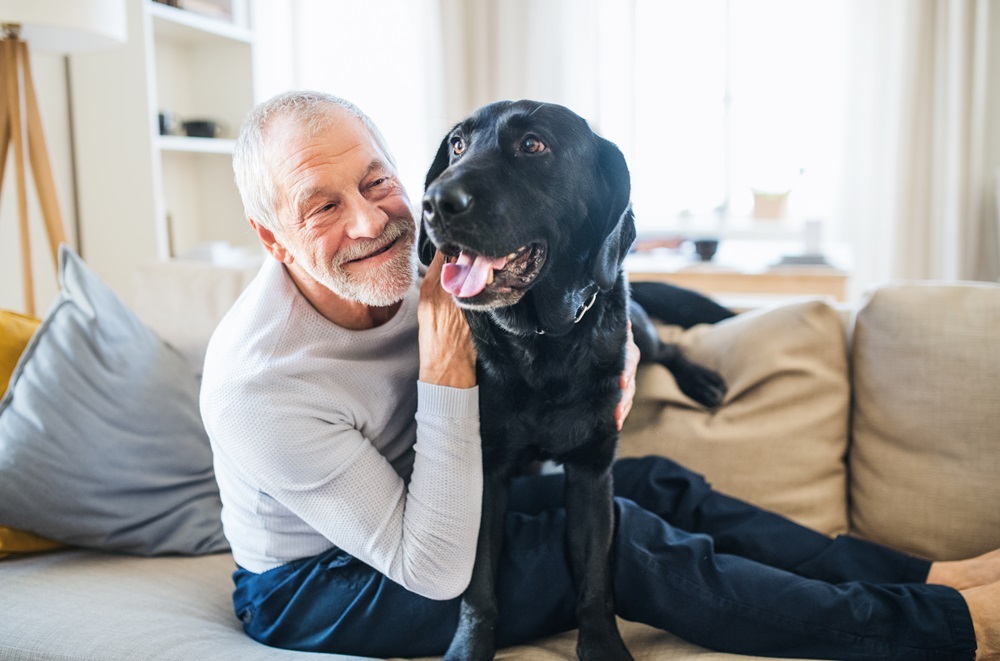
{"x":709,"y":568}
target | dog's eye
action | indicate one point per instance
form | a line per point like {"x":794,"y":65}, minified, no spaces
{"x":532,"y":145}
{"x":457,"y":146}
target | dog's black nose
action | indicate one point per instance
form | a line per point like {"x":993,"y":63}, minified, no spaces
{"x":448,"y":201}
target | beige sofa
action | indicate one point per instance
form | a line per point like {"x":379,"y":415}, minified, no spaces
{"x":882,"y":420}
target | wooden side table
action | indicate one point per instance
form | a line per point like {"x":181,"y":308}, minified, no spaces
{"x":732,"y":282}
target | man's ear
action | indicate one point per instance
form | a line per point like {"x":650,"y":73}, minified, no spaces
{"x":271,"y":243}
{"x":616,"y":214}
{"x":425,"y":247}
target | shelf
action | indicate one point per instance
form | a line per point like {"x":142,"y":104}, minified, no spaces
{"x":733,"y":227}
{"x":745,"y":267}
{"x":163,"y":194}
{"x":180,"y":143}
{"x":191,"y":28}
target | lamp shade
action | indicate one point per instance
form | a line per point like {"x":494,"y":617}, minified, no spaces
{"x":67,"y":26}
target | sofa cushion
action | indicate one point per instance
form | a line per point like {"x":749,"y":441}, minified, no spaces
{"x":15,"y":543}
{"x":204,"y":291}
{"x":780,"y":437}
{"x":15,"y":331}
{"x":925,"y":459}
{"x":85,"y":604}
{"x":101,"y":441}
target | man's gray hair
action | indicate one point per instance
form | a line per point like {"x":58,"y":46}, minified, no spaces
{"x":311,"y":110}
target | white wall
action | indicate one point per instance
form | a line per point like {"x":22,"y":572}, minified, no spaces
{"x":388,"y":67}
{"x":49,"y":74}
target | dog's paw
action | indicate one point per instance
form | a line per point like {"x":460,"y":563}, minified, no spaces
{"x":703,"y":385}
{"x":602,"y":648}
{"x":471,"y":648}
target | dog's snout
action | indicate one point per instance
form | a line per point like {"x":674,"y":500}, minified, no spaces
{"x":446,"y":201}
{"x":428,"y":209}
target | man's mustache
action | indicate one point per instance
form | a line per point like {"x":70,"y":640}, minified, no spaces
{"x":395,"y":229}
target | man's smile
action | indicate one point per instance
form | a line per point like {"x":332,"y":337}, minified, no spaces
{"x":375,"y":253}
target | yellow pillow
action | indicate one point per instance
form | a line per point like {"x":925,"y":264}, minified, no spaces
{"x":15,"y":331}
{"x":14,"y":542}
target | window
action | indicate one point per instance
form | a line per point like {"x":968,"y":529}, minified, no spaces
{"x":732,"y":96}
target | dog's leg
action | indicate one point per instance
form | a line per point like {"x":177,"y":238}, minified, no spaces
{"x":475,"y":638}
{"x":589,"y":532}
{"x":699,"y":383}
{"x":677,"y":306}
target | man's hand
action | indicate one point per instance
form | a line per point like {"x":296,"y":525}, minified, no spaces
{"x":447,"y":357}
{"x":627,"y":380}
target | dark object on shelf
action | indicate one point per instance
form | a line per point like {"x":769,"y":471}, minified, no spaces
{"x":706,"y":248}
{"x":170,"y":123}
{"x":201,"y":128}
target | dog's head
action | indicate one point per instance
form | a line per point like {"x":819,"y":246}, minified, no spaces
{"x":524,"y":197}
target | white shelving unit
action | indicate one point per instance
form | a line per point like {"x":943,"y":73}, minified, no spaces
{"x":162,"y":196}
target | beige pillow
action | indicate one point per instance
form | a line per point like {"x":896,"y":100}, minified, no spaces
{"x":780,"y":438}
{"x":926,"y":455}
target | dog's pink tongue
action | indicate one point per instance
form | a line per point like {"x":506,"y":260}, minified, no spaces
{"x":467,"y":276}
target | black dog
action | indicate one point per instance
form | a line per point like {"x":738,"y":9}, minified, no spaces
{"x":531,"y":210}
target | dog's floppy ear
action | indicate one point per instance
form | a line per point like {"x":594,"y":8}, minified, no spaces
{"x":619,"y":223}
{"x":441,"y":161}
{"x":425,"y":247}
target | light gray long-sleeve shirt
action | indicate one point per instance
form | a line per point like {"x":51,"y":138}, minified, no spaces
{"x":323,"y":437}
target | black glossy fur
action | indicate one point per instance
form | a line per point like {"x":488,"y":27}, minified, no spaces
{"x":548,"y":377}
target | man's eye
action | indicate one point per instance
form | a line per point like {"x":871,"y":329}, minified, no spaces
{"x":532,"y":145}
{"x":328,"y":206}
{"x":457,"y":146}
{"x":378,"y":182}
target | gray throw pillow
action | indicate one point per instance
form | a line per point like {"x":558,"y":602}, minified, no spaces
{"x":101,"y":440}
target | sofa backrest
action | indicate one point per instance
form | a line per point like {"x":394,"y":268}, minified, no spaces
{"x":183,"y":301}
{"x":925,"y":452}
{"x":883,"y":419}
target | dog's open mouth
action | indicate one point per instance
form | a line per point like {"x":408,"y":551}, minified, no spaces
{"x":467,"y":274}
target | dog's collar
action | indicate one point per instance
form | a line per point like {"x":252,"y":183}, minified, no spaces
{"x":582,"y":310}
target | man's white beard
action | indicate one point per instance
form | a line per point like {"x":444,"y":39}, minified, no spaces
{"x":379,"y":286}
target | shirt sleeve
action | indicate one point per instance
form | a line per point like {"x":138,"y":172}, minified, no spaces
{"x":420,"y":534}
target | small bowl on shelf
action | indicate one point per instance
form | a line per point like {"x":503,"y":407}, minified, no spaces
{"x":706,"y":248}
{"x":202,"y":128}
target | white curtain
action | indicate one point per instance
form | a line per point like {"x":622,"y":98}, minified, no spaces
{"x":923,"y":113}
{"x":922,"y":143}
{"x":512,"y":49}
{"x":386,"y":57}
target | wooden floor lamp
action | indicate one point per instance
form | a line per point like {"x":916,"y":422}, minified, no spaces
{"x":20,"y":124}
{"x":61,"y":26}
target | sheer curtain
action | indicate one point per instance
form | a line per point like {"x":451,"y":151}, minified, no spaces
{"x":921,"y":114}
{"x":921,"y":126}
{"x":922,"y":141}
{"x":385,"y":57}
{"x":512,"y":49}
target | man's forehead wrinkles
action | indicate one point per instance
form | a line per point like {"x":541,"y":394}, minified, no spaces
{"x":307,"y":190}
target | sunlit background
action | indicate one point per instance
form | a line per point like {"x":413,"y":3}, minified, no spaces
{"x":865,"y":130}
{"x":877,"y":121}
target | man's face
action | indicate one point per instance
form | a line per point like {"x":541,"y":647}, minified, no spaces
{"x":345,"y":217}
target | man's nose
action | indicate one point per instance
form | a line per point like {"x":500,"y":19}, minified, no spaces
{"x":368,"y":221}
